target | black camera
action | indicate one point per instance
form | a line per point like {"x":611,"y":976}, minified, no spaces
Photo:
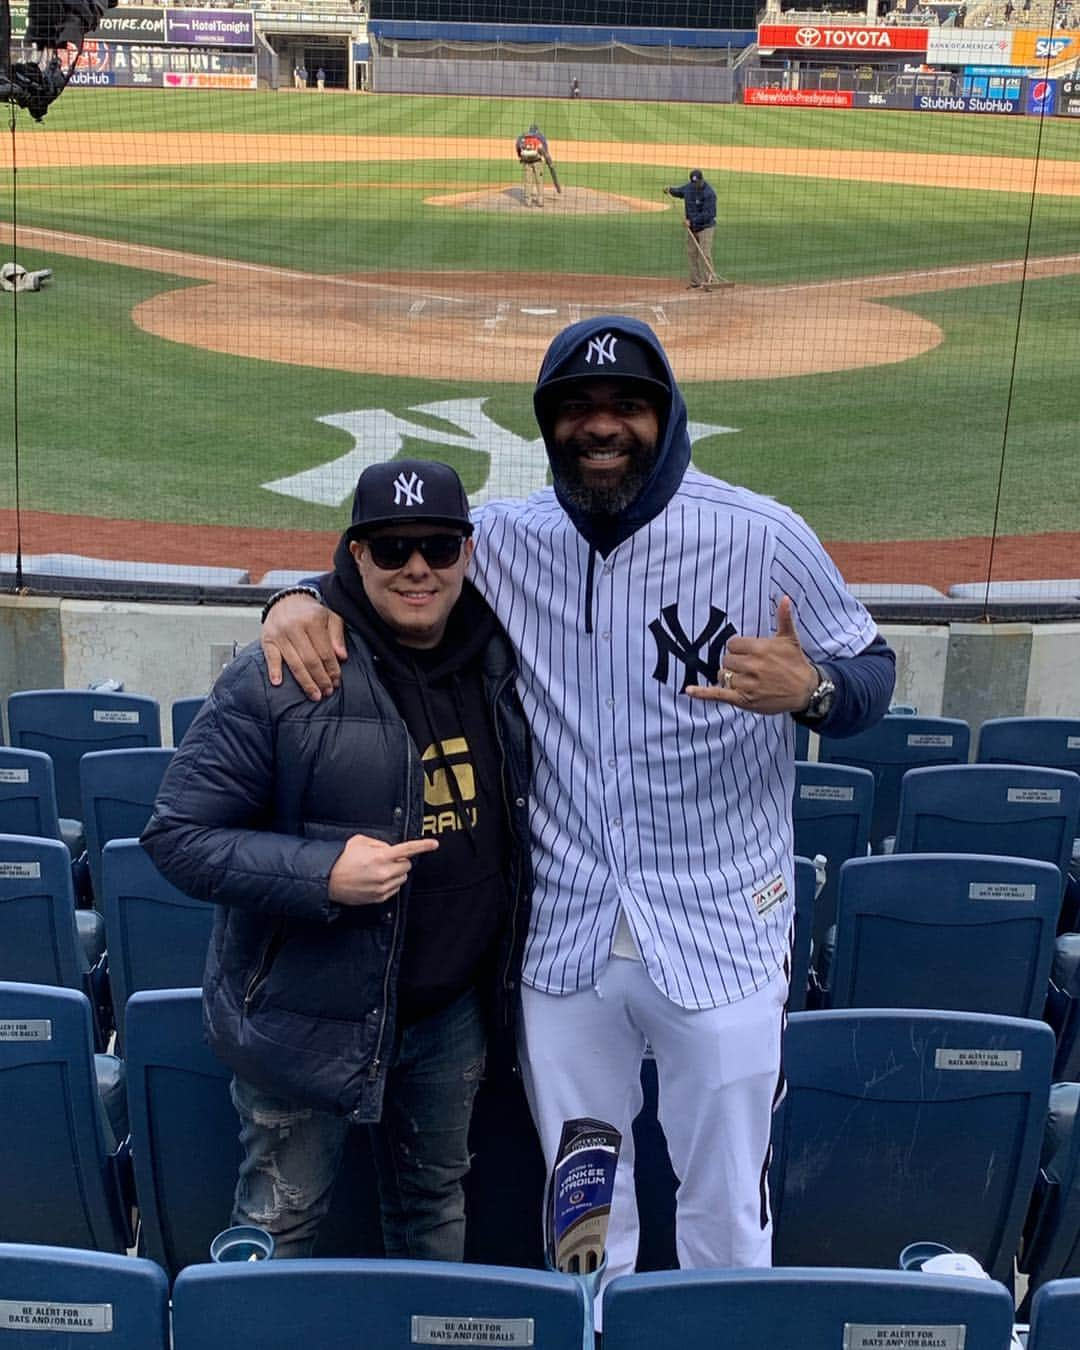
{"x":50,"y":25}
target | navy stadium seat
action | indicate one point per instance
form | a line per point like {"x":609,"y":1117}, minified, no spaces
{"x":391,"y":1305}
{"x":66,"y":1173}
{"x":899,"y":1125}
{"x":802,"y":1307}
{"x":182,"y":715}
{"x":44,"y":939}
{"x":831,"y":809}
{"x":1043,"y":742}
{"x":1002,"y":809}
{"x":53,"y":1297}
{"x":967,"y":932}
{"x":67,"y":723}
{"x":158,"y":936}
{"x":118,"y":789}
{"x":897,"y":743}
{"x":1055,"y":1315}
{"x":1051,"y":1248}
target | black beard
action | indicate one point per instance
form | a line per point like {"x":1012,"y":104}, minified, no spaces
{"x":601,"y":500}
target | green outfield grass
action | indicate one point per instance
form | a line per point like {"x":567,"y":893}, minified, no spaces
{"x":114,"y":422}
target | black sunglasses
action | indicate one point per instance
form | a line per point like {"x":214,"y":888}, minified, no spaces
{"x":392,"y":551}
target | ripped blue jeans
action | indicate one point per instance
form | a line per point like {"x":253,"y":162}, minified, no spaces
{"x":291,"y":1152}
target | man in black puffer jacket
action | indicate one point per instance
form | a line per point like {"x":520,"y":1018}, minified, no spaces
{"x":368,"y":858}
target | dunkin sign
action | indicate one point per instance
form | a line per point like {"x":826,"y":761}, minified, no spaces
{"x":835,"y":38}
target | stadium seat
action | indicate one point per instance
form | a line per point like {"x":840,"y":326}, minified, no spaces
{"x":1001,"y":809}
{"x":118,"y":789}
{"x":1043,"y":742}
{"x":832,"y":809}
{"x":1055,"y":1315}
{"x":966,"y":932}
{"x":1051,"y":1247}
{"x":158,"y":936}
{"x":28,"y":799}
{"x":44,"y":939}
{"x":67,"y":723}
{"x":121,"y":1301}
{"x":904,"y":1125}
{"x":1063,"y":1007}
{"x":185,"y":1141}
{"x":66,"y":1172}
{"x":888,"y":750}
{"x":182,"y":716}
{"x":391,"y":1305}
{"x":184,"y":1129}
{"x":780,"y":1309}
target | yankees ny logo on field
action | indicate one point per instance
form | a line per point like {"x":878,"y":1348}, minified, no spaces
{"x":673,"y":642}
{"x":408,"y":491}
{"x":603,"y":348}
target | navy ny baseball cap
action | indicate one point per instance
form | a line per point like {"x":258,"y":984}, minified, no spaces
{"x":409,"y":492}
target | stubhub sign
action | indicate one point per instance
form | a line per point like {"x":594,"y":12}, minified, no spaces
{"x":958,"y":103}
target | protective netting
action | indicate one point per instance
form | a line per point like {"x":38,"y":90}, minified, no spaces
{"x":259,"y":285}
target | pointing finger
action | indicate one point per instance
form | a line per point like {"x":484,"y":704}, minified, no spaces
{"x":411,"y":847}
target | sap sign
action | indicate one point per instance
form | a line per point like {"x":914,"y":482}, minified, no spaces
{"x":1048,"y":46}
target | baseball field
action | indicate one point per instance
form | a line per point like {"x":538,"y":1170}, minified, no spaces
{"x":254,"y":295}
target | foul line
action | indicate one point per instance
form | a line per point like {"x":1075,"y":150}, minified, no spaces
{"x":95,"y":246}
{"x":929,"y":275}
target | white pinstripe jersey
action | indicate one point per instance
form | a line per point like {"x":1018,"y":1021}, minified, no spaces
{"x":677,"y":810}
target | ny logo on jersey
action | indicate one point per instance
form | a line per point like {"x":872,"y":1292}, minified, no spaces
{"x":603,"y":348}
{"x":672,"y":641}
{"x":408,"y":491}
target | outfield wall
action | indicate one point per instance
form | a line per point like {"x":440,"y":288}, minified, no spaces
{"x":534,"y":79}
{"x":968,"y":670}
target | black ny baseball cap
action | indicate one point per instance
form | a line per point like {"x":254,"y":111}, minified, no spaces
{"x":409,"y":492}
{"x":611,"y":355}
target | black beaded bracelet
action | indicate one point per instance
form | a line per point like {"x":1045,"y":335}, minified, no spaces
{"x":313,"y":591}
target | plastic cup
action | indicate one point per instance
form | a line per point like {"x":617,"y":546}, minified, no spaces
{"x":243,"y":1243}
{"x":916,"y":1253}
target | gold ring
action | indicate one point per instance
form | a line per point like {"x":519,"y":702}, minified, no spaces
{"x":726,"y":677}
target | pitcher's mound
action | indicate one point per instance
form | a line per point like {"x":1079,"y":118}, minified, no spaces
{"x":572,"y":201}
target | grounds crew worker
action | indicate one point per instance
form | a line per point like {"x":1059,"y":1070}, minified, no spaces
{"x":532,"y":151}
{"x":699,"y":202}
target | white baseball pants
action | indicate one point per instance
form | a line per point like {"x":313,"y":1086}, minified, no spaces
{"x":718,"y":1072}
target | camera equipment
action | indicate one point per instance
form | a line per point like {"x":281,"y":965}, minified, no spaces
{"x":51,"y":25}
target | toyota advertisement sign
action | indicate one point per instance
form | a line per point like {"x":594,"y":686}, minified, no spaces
{"x":835,"y":38}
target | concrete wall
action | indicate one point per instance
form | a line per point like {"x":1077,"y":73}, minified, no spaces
{"x":974,"y":671}
{"x":537,"y":79}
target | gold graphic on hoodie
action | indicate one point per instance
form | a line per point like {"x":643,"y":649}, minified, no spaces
{"x":452,"y":755}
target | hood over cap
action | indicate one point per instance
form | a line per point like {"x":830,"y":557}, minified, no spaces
{"x":613,"y":346}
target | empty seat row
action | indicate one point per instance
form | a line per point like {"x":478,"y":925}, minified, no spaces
{"x":397,"y":1305}
{"x":896,"y":1126}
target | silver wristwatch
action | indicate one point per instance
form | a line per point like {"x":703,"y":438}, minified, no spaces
{"x":821,"y":700}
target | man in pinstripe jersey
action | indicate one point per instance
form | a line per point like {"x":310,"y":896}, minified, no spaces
{"x":669,"y":628}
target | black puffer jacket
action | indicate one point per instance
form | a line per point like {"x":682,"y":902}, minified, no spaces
{"x":253,"y":812}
